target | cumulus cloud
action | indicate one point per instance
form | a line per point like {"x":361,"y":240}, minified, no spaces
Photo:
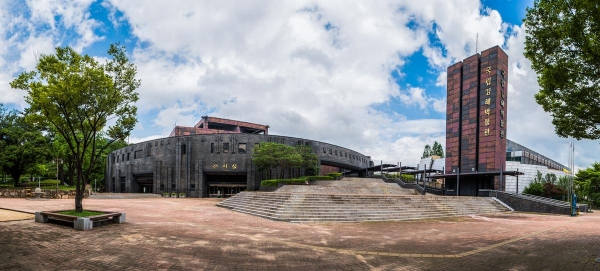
{"x":308,"y":69}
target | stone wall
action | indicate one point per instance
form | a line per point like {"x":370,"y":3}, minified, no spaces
{"x":48,"y":193}
{"x":522,"y":204}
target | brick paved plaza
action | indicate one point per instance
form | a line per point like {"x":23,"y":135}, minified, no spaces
{"x":193,"y":234}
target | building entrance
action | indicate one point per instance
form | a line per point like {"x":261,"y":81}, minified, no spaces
{"x":144,"y":183}
{"x":224,"y":186}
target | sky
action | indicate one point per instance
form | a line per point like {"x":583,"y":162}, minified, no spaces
{"x":366,"y":75}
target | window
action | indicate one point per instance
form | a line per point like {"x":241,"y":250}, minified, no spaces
{"x":122,"y":157}
{"x":330,"y":152}
{"x":183,"y":149}
{"x":149,"y":149}
{"x":122,"y":184}
{"x":193,"y":186}
{"x":324,"y":150}
{"x":162,"y":187}
{"x":137,"y":154}
{"x":212,"y":147}
{"x":173,"y":186}
{"x":127,"y":156}
{"x":225,"y":147}
{"x":155,"y":143}
{"x":242,"y":148}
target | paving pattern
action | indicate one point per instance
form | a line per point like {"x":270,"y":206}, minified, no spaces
{"x":193,"y":234}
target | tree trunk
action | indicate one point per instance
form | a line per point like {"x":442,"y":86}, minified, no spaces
{"x":70,"y":171}
{"x":79,"y":188}
{"x":15,"y":176}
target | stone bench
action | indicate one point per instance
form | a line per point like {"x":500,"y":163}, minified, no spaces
{"x":80,"y":223}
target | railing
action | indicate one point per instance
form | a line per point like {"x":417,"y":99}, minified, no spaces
{"x":402,"y":184}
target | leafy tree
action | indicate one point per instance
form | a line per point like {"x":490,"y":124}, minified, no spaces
{"x":563,"y":44}
{"x":550,"y":178}
{"x":538,"y":177}
{"x":553,"y":191}
{"x":309,"y":160}
{"x":271,"y":156}
{"x":426,"y":152}
{"x":536,"y":187}
{"x":588,"y":184}
{"x":77,"y":96}
{"x":564,"y":182}
{"x":22,"y":145}
{"x":437,"y":150}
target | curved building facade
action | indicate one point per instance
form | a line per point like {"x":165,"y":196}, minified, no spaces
{"x":213,"y":158}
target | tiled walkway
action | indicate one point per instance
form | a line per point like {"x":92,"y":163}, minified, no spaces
{"x":193,"y":234}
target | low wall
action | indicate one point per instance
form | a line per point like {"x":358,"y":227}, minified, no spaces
{"x":523,"y":204}
{"x":48,"y":193}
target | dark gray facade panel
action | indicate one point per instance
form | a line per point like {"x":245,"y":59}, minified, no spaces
{"x":180,"y":164}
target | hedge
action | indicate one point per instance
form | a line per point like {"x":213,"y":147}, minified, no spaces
{"x":299,"y":180}
{"x":335,"y":175}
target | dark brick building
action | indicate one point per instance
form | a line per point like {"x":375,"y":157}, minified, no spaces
{"x":476,"y":121}
{"x":213,"y":157}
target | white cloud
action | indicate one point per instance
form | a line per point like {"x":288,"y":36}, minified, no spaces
{"x":308,"y":69}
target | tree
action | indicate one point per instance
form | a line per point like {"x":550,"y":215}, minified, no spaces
{"x":77,"y":96}
{"x":22,"y":144}
{"x":588,"y":184}
{"x":271,"y":156}
{"x":426,"y":152}
{"x":536,"y":187}
{"x":550,"y":178}
{"x":437,"y":150}
{"x":309,"y":160}
{"x":563,"y":45}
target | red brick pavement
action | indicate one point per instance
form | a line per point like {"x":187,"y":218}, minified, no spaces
{"x":193,"y":234}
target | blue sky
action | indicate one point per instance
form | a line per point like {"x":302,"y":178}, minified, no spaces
{"x":370,"y":77}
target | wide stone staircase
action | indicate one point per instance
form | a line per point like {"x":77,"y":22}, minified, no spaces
{"x":329,"y":207}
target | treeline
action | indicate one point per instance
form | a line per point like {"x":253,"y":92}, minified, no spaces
{"x":27,"y":151}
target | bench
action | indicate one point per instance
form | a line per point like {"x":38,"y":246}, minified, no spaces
{"x":80,"y":223}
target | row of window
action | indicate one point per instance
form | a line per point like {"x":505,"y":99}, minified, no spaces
{"x":344,"y":154}
{"x":226,"y":148}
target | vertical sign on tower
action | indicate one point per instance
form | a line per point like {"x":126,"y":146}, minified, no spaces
{"x":492,"y":111}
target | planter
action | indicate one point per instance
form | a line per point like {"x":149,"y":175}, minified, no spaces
{"x":80,"y":223}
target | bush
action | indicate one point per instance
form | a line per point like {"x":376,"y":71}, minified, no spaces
{"x":173,"y":195}
{"x":335,"y":175}
{"x":271,"y":183}
{"x":536,"y":189}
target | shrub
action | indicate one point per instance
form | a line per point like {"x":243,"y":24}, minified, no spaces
{"x":335,"y":175}
{"x":182,"y":195}
{"x":165,"y":194}
{"x":535,"y":188}
{"x":173,"y":195}
{"x":271,"y":183}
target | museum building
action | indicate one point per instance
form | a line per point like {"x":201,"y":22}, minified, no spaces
{"x":212,"y":158}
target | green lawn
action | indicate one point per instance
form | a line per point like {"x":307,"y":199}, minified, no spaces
{"x":81,"y":214}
